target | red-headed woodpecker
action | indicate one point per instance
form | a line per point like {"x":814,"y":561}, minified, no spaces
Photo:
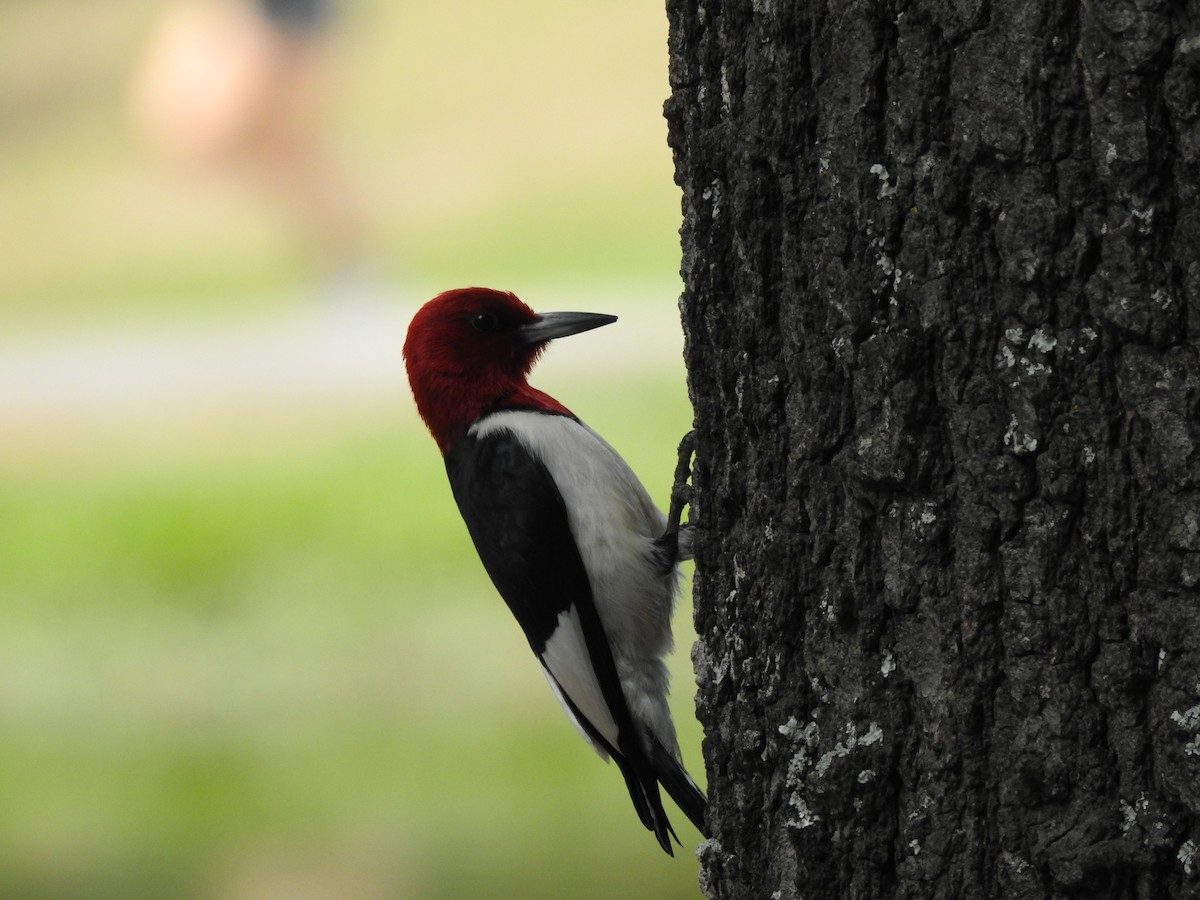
{"x":584,"y":559}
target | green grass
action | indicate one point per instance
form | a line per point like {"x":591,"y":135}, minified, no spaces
{"x":247,"y":673}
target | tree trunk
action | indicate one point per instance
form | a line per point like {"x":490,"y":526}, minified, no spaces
{"x":942,"y":293}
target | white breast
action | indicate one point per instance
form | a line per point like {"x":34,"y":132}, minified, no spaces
{"x":614,"y":523}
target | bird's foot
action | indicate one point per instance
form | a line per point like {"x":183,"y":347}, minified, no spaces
{"x":676,"y":541}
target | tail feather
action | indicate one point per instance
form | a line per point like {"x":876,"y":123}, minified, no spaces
{"x":647,"y":801}
{"x":679,"y":785}
{"x":643,"y":784}
{"x":642,"y":776}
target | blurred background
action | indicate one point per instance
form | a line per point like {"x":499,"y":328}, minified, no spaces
{"x":246,"y":649}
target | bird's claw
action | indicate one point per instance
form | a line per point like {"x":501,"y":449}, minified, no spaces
{"x":676,"y":541}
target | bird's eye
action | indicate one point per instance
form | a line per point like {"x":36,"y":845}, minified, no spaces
{"x":485,"y":323}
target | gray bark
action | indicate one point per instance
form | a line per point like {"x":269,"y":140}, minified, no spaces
{"x":942,"y":299}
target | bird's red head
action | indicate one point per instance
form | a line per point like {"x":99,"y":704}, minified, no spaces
{"x":469,"y":351}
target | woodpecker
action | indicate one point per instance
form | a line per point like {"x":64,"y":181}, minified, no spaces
{"x":579,"y":552}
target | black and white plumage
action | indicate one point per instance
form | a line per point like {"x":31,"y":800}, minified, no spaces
{"x":569,"y":536}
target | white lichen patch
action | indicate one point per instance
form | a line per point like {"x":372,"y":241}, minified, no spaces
{"x":712,"y":194}
{"x":1187,"y":856}
{"x":805,"y":817}
{"x":886,"y":188}
{"x":1131,"y":811}
{"x":1030,"y":354}
{"x":791,"y":729}
{"x":825,"y":608}
{"x":807,"y":739}
{"x":1033,"y":369}
{"x":872,"y":735}
{"x":1042,"y":341}
{"x":720,"y":669}
{"x":1189,"y":719}
{"x":1014,"y":862}
{"x":819,"y":691}
{"x":739,"y":574}
{"x":1017,"y":440}
{"x":889,"y":664}
{"x":926,"y":802}
{"x":1128,"y":816}
{"x":1162,"y":298}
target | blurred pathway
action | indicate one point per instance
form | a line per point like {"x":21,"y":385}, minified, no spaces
{"x":315,"y":354}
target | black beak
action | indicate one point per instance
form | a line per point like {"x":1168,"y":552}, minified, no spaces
{"x":549,"y":326}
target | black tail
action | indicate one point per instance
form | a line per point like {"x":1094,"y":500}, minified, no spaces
{"x":643,"y":790}
{"x":687,"y":796}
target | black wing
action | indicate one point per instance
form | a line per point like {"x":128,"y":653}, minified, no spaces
{"x":518,"y":522}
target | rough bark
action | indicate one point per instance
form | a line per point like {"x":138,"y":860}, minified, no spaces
{"x":942,"y":299}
